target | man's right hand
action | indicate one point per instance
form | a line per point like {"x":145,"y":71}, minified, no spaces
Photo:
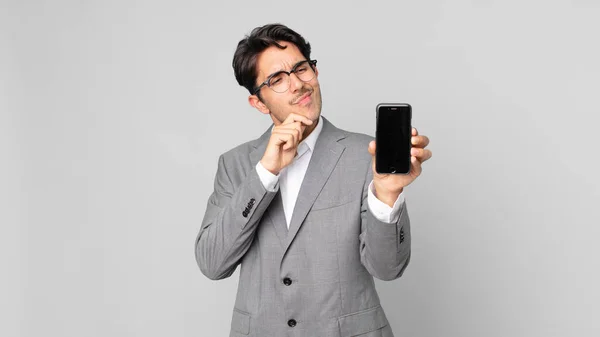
{"x":283,"y":144}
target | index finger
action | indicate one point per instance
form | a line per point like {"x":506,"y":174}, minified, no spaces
{"x":420,"y":141}
{"x":292,"y":117}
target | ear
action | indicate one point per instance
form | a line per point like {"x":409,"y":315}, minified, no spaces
{"x":258,"y":104}
{"x":316,"y":71}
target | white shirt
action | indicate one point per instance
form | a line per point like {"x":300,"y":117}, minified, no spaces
{"x":290,"y":179}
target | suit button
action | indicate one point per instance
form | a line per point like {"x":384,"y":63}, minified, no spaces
{"x":292,"y":323}
{"x":287,"y":281}
{"x":245,"y":214}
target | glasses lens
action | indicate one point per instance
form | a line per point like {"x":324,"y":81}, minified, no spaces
{"x":280,"y":82}
{"x":304,"y":71}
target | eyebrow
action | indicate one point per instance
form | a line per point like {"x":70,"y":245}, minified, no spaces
{"x":280,"y":71}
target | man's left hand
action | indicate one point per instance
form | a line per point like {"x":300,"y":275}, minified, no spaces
{"x":389,"y":186}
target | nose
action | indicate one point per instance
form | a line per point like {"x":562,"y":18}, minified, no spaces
{"x":295,"y":83}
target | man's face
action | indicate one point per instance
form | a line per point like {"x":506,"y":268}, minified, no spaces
{"x":302,"y":98}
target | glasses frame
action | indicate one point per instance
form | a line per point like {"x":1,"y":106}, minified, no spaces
{"x":312,"y":64}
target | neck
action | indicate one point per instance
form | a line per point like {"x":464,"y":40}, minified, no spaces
{"x":309,"y":129}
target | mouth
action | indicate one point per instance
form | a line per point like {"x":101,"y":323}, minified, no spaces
{"x":304,"y":99}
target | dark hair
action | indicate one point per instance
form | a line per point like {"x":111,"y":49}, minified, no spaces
{"x":261,"y":38}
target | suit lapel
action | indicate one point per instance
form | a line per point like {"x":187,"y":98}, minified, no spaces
{"x":326,"y":154}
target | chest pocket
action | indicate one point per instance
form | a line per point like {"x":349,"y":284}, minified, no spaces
{"x":337,"y":192}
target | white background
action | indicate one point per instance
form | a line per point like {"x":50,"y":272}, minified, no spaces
{"x":114,"y":113}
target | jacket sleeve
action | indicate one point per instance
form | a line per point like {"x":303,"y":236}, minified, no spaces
{"x":384,"y":247}
{"x":230,"y":222}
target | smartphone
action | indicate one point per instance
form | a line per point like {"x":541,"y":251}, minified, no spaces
{"x":392,"y":137}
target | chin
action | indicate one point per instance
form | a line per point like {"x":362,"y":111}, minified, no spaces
{"x":312,"y":112}
{"x":313,"y":116}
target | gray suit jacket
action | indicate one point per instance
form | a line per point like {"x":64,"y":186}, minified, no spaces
{"x":315,"y":279}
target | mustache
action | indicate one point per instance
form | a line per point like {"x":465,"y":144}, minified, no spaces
{"x":297,"y":98}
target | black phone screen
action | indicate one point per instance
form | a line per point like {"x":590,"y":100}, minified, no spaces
{"x":393,"y":133}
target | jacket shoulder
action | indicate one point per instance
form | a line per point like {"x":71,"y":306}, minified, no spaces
{"x":241,"y":150}
{"x":236,"y":161}
{"x":357,"y":139}
{"x":357,"y":145}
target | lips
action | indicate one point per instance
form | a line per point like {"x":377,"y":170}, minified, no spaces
{"x":303,"y":97}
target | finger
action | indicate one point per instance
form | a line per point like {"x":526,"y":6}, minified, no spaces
{"x":415,"y":132}
{"x":421,"y":154}
{"x":415,"y":166}
{"x":292,"y":117}
{"x":289,"y":144}
{"x":296,"y":127}
{"x":286,"y":136}
{"x":280,"y":137}
{"x":419,"y":141}
{"x":372,"y":147}
{"x":426,"y":155}
{"x":295,"y":135}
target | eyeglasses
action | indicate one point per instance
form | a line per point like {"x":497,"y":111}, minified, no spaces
{"x":280,"y":81}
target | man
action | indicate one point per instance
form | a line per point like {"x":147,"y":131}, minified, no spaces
{"x":302,"y":209}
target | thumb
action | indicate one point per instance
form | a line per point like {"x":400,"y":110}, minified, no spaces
{"x":372,"y":148}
